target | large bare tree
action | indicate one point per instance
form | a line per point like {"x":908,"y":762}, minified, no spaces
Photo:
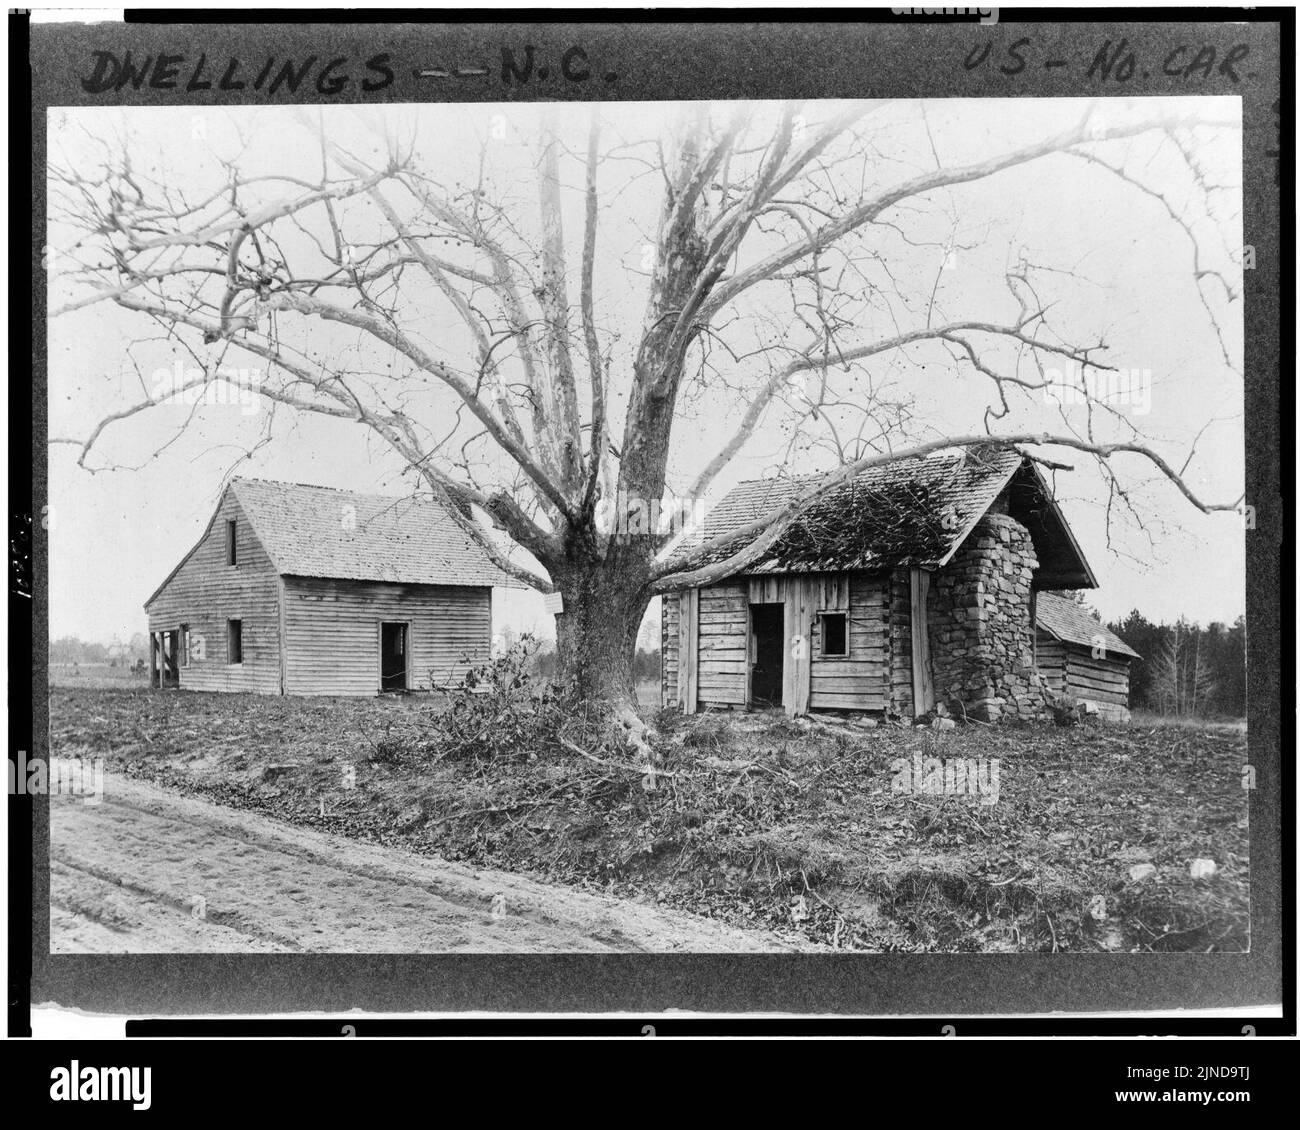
{"x":769,"y":232}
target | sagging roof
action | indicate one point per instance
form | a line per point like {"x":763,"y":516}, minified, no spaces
{"x":1066,"y":621}
{"x":913,"y":512}
{"x":311,"y":531}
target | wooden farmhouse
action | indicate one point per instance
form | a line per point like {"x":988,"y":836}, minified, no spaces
{"x":914,"y":584}
{"x":305,"y":590}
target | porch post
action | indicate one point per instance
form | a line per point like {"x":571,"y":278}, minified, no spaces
{"x":796,"y":687}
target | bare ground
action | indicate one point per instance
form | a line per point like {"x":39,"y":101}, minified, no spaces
{"x":791,"y":834}
{"x":150,"y":871}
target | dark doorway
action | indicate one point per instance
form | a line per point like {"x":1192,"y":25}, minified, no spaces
{"x":767,"y":651}
{"x":392,"y":657}
{"x":169,"y":672}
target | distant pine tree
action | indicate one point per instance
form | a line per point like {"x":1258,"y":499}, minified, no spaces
{"x":1183,"y":663}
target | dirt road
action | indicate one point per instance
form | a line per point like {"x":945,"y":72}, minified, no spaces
{"x":151,"y":871}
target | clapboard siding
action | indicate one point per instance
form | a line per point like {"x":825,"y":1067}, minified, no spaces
{"x":860,"y":680}
{"x":723,"y":645}
{"x":332,"y":633}
{"x":205,"y":593}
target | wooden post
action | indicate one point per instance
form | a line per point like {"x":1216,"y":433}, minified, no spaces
{"x":751,"y":646}
{"x":922,"y":684}
{"x":797,"y":670}
{"x":688,"y":650}
{"x":154,"y":680}
{"x":1033,"y":625}
{"x":283,"y":626}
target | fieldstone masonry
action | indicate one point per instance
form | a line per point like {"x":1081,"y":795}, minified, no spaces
{"x":981,"y":627}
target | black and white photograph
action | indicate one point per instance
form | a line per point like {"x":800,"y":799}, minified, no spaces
{"x":676,"y":518}
{"x":656,"y":527}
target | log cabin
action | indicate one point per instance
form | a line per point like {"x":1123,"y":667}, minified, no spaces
{"x":1080,"y":657}
{"x":912,"y":585}
{"x":306,"y":590}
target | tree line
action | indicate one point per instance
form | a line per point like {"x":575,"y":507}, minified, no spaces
{"x":67,"y":650}
{"x":1186,"y":669}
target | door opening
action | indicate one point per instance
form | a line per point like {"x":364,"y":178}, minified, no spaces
{"x":169,"y":671}
{"x":392,"y":657}
{"x":767,"y":654}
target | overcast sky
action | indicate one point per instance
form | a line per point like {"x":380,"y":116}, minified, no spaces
{"x":1110,"y":262}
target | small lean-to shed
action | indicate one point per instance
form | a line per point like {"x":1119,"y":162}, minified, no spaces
{"x":911,"y":585}
{"x":297,"y":589}
{"x":1080,"y":657}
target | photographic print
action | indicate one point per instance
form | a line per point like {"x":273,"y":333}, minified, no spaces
{"x":788,"y":526}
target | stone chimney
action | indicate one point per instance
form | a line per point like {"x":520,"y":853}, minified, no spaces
{"x":981,"y":625}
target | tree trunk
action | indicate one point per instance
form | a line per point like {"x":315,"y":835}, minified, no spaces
{"x":606,"y":598}
{"x":596,"y":635}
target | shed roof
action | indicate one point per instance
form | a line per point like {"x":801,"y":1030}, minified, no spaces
{"x":1068,"y":622}
{"x":312,"y":531}
{"x":912,"y":512}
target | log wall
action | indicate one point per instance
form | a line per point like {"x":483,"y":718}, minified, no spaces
{"x":668,"y":648}
{"x":1050,"y":657}
{"x":723,"y":653}
{"x":1099,"y":680}
{"x":861,"y":680}
{"x":900,"y":642}
{"x":722,"y":643}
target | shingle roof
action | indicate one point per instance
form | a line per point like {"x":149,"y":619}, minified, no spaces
{"x":311,"y":531}
{"x":913,"y":512}
{"x":1070,"y":623}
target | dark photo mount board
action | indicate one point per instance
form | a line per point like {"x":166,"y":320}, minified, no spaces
{"x":783,"y":55}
